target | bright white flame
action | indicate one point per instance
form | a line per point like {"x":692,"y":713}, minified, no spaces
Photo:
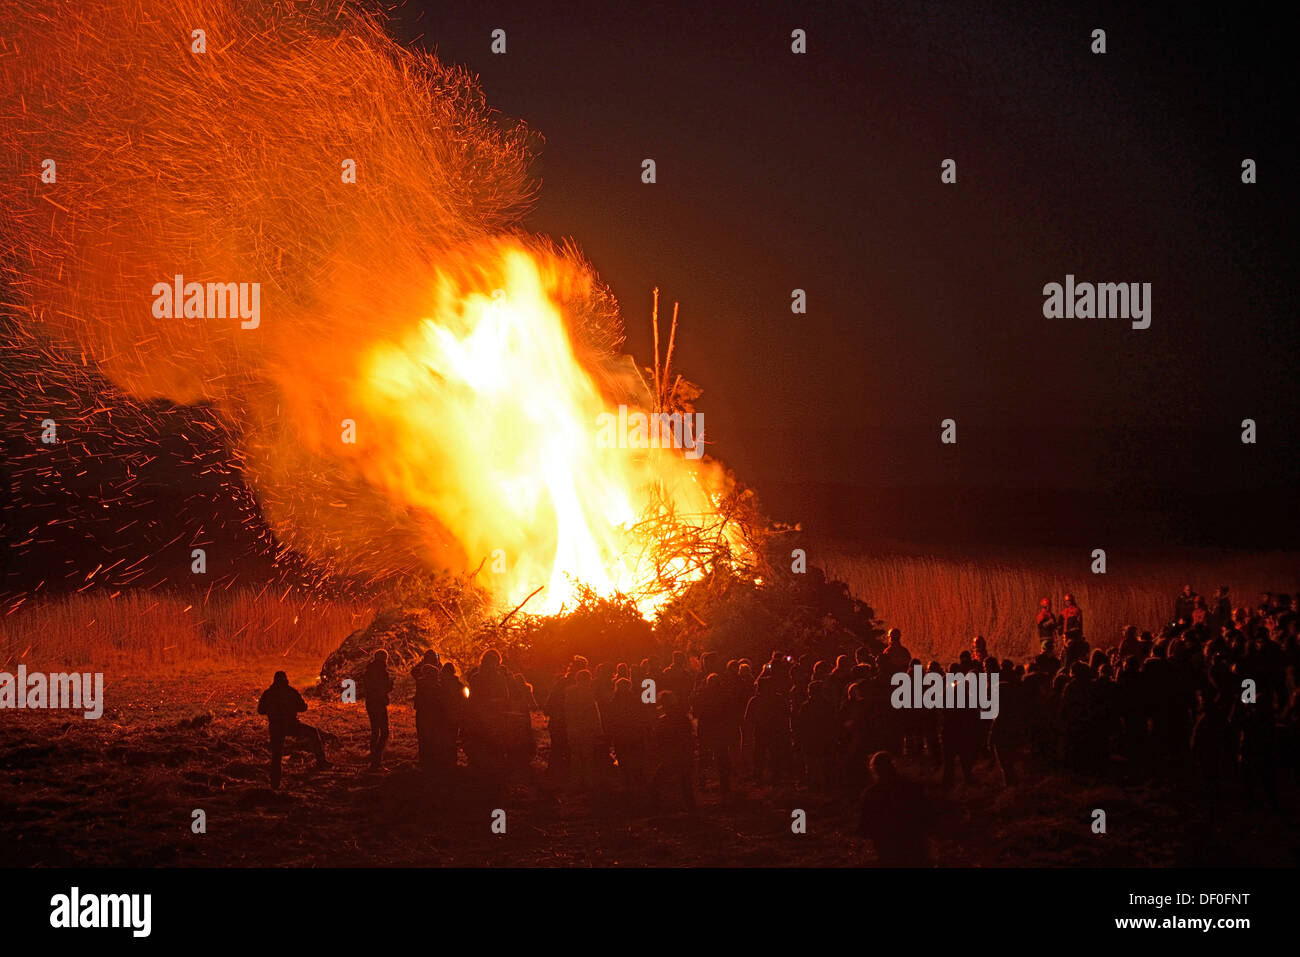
{"x":491,"y":427}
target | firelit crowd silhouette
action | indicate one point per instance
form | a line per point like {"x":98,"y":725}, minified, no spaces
{"x":1209,"y":701}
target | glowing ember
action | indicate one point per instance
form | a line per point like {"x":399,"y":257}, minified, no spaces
{"x":416,"y":384}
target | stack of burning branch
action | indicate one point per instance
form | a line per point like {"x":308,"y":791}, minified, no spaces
{"x":680,"y":551}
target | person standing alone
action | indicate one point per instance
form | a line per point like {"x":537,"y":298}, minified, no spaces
{"x":378,"y":683}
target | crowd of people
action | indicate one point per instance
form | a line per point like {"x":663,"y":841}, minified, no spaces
{"x":1208,"y":698}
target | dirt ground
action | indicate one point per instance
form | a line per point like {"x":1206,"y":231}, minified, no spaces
{"x":121,"y":791}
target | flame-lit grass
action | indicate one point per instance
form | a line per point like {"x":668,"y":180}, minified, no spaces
{"x":141,"y":630}
{"x":941,"y":601}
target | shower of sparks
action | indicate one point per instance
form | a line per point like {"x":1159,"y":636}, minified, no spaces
{"x":472,"y":357}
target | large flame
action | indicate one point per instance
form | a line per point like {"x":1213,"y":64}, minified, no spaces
{"x":485,"y":419}
{"x":405,"y":308}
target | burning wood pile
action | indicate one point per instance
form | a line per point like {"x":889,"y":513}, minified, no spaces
{"x":411,"y":384}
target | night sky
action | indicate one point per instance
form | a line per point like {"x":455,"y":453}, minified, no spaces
{"x":821,"y":172}
{"x":778,"y":171}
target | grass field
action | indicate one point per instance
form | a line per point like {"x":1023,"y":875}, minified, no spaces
{"x":169,"y":629}
{"x":940,"y":602}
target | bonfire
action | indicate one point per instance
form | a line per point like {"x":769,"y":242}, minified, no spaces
{"x":325,"y":260}
{"x":327,"y":251}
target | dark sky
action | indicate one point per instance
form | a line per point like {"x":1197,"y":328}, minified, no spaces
{"x":821,"y":172}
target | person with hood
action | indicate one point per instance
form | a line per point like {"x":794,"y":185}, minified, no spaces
{"x":281,"y":703}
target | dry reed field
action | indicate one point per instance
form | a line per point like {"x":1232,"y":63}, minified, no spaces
{"x":942,"y":601}
{"x":178,"y":628}
{"x":939,"y":601}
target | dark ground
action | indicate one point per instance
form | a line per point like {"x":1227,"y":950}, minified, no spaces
{"x":120,"y":791}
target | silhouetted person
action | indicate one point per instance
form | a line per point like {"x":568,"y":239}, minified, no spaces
{"x":677,"y":677}
{"x":1130,"y":644}
{"x":815,"y":731}
{"x":558,"y":764}
{"x":428,"y":705}
{"x":1201,"y":616}
{"x":1007,"y":735}
{"x":282,"y":704}
{"x":895,"y":657}
{"x":928,"y":722}
{"x":378,"y":683}
{"x":628,"y":732}
{"x":489,"y":684}
{"x":486,"y":719}
{"x":1222,"y":609}
{"x":1213,"y":748}
{"x":962,"y":734}
{"x":1046,"y":663}
{"x":676,"y":746}
{"x":769,"y":723}
{"x":1039,"y":715}
{"x":1254,"y":725}
{"x":895,"y":816}
{"x":1076,"y":649}
{"x":521,"y":694}
{"x":856,"y":735}
{"x":1184,"y":604}
{"x":718,"y":730}
{"x":582,"y":718}
{"x":451,"y":694}
{"x":1078,"y":720}
{"x":840,"y":677}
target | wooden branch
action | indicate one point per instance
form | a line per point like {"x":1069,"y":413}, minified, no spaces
{"x":668,"y":359}
{"x":654,"y":320}
{"x":520,"y":605}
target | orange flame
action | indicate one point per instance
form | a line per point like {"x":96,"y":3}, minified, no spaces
{"x":475,"y":415}
{"x":488,"y":422}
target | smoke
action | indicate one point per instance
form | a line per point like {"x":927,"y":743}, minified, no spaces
{"x":229,"y":166}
